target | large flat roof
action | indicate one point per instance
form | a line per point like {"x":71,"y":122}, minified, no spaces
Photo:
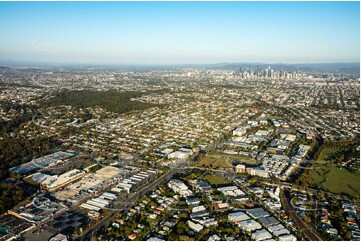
{"x":88,"y":181}
{"x":43,"y":233}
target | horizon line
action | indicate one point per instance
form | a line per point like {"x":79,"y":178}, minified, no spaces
{"x":52,"y":63}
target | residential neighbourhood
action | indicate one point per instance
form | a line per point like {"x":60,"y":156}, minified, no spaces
{"x":231,"y":156}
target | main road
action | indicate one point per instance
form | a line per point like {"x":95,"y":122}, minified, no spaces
{"x":128,"y":203}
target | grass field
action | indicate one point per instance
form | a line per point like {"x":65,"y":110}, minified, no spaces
{"x":337,"y":180}
{"x":216,"y":179}
{"x":204,"y":160}
{"x":327,"y":176}
{"x":213,"y":162}
{"x":329,"y":153}
{"x":222,"y":163}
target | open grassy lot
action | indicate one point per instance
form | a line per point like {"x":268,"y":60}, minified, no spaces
{"x":326,"y":174}
{"x":216,"y":179}
{"x":205,"y":161}
{"x":222,"y":163}
{"x":213,"y":162}
{"x":330,"y":153}
{"x":337,"y":180}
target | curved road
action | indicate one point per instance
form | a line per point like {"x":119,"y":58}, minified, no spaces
{"x":306,"y":230}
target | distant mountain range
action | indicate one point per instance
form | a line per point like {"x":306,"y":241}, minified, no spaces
{"x":347,"y":68}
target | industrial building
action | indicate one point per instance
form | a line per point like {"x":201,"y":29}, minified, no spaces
{"x":55,"y":182}
{"x":42,"y":162}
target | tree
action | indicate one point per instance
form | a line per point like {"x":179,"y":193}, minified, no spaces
{"x":185,"y":238}
{"x":348,"y":234}
{"x":10,"y":195}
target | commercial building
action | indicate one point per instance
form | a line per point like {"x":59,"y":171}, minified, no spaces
{"x":257,"y":172}
{"x":11,"y":227}
{"x":55,"y":182}
{"x":69,"y":221}
{"x":92,"y":183}
{"x":240,"y":168}
{"x":179,"y":187}
{"x":42,"y":162}
{"x":37,"y":210}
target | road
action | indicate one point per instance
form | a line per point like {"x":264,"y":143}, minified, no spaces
{"x":130,"y":202}
{"x":40,"y":125}
{"x":127,"y":204}
{"x":306,"y":230}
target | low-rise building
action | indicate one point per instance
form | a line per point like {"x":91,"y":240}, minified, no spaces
{"x":237,"y":217}
{"x":261,"y":235}
{"x":194,"y":226}
{"x":249,"y":225}
{"x":179,"y":187}
{"x":240,"y":168}
{"x":287,"y":237}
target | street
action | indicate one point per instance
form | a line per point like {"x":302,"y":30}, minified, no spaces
{"x":308,"y":233}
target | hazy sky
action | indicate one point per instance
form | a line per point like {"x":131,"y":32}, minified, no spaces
{"x":180,"y":32}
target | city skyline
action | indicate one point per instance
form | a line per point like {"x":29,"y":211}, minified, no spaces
{"x":158,"y":33}
{"x":180,"y":121}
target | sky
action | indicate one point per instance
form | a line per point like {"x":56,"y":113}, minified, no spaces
{"x":180,"y":32}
